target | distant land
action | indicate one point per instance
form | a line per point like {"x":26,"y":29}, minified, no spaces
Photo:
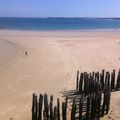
{"x":67,"y":17}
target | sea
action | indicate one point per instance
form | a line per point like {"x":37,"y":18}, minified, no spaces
{"x":43,"y":24}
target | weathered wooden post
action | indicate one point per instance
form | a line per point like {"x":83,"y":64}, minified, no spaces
{"x":63,"y":111}
{"x":66,"y":103}
{"x":46,"y":107}
{"x":40,"y":107}
{"x":44,"y":115}
{"x":90,"y":83}
{"x":36,"y":107}
{"x":51,"y":108}
{"x":106,"y":78}
{"x":33,"y":107}
{"x":97,"y":77}
{"x":85,"y":83}
{"x":118,"y":81}
{"x":88,"y":108}
{"x":80,"y":108}
{"x":77,"y":80}
{"x":93,"y":107}
{"x":109,"y":86}
{"x":58,"y":109}
{"x":102,"y":78}
{"x":113,"y":80}
{"x":103,"y":105}
{"x":81,"y":83}
{"x":93,"y":75}
{"x":55,"y":113}
{"x":99,"y":104}
{"x":108,"y":94}
{"x":73,"y":111}
{"x":94,"y":86}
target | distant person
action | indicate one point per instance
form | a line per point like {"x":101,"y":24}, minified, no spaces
{"x":26,"y":54}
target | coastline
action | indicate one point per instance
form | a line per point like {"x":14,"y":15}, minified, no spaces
{"x":58,"y":30}
{"x":71,"y":33}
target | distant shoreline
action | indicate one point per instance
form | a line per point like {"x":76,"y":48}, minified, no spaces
{"x":65,"y":17}
{"x":90,"y":30}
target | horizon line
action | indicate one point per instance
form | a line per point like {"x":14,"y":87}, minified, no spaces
{"x":67,"y":17}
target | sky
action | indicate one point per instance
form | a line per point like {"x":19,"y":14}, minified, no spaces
{"x":59,"y":8}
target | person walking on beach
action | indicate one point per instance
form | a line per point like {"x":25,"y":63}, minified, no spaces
{"x":26,"y":54}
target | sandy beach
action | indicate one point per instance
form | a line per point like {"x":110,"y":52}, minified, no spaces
{"x":51,"y":65}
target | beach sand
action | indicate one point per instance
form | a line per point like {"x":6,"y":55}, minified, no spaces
{"x":51,"y":65}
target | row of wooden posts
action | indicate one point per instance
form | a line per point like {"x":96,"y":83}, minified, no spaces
{"x":90,"y":107}
{"x":42,"y":109}
{"x":93,"y":102}
{"x":88,"y":83}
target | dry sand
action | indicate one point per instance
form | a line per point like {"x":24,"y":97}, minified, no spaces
{"x":51,"y":65}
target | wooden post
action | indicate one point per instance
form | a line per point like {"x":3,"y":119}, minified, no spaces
{"x":66,"y":102}
{"x":90,"y":83}
{"x":81,"y":83}
{"x":108,"y":94}
{"x":102,"y":78}
{"x":93,"y":108}
{"x":99,"y":104}
{"x":103,"y":106}
{"x":85,"y":82}
{"x":93,"y":75}
{"x":58,"y":109}
{"x":40,"y":107}
{"x":46,"y":107}
{"x":73,"y":111}
{"x":33,"y":107}
{"x":118,"y":81}
{"x":63,"y":111}
{"x":44,"y":115}
{"x":88,"y":108}
{"x":55,"y":113}
{"x":77,"y":80}
{"x":113,"y":80}
{"x":36,"y":107}
{"x":97,"y":77}
{"x":106,"y":78}
{"x":51,"y":108}
{"x":80,"y":108}
{"x":109,"y":86}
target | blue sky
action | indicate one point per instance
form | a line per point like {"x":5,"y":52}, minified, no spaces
{"x":59,"y":8}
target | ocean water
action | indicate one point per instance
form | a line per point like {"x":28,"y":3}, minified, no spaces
{"x":60,"y":23}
